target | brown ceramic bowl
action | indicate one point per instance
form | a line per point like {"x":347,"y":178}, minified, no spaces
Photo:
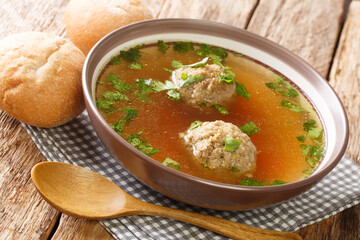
{"x":190,"y":189}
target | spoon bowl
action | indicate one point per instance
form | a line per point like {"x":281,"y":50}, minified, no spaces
{"x":80,"y":192}
{"x":77,"y":191}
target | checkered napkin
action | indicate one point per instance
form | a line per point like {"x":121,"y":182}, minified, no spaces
{"x":77,"y":143}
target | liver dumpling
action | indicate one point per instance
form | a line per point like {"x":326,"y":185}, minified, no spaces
{"x":206,"y":92}
{"x":207,"y":144}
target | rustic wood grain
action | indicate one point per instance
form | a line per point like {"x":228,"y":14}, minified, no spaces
{"x":71,"y":228}
{"x":154,"y":6}
{"x":308,"y":28}
{"x":344,"y":226}
{"x":345,"y":76}
{"x":236,"y":13}
{"x":23,"y":213}
{"x":32,"y":15}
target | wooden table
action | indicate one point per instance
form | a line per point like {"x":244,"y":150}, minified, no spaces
{"x":326,"y":33}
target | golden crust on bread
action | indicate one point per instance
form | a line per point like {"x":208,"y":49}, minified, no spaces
{"x":87,"y":21}
{"x":40,"y":79}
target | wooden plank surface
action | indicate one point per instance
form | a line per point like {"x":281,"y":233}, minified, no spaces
{"x":345,"y":76}
{"x":71,"y":228}
{"x":23,"y":213}
{"x":19,"y":201}
{"x":236,"y":13}
{"x":309,"y":28}
{"x":31,"y":15}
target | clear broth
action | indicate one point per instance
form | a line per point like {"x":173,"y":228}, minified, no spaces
{"x":279,"y":154}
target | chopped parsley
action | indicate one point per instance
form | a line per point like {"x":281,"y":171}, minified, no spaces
{"x":118,"y":83}
{"x":177,"y":64}
{"x":242,"y":91}
{"x":222,"y":66}
{"x":287,"y":123}
{"x":135,"y":65}
{"x":249,"y":128}
{"x":168,"y":70}
{"x":309,"y":125}
{"x":115,"y":96}
{"x":204,"y":50}
{"x":219,"y":52}
{"x":142,"y":145}
{"x":315,"y":151}
{"x":130,"y":113}
{"x":234,"y":169}
{"x":215,"y":53}
{"x":119,"y":125}
{"x":229,"y":77}
{"x":231,"y":144}
{"x":252,"y":182}
{"x":221,"y":109}
{"x":173,"y":94}
{"x":277,"y":182}
{"x":307,"y":171}
{"x":190,"y":79}
{"x":131,"y":55}
{"x":195,"y":124}
{"x":162,"y":46}
{"x":312,"y":151}
{"x":171,"y":163}
{"x":143,"y":87}
{"x":315,"y":133}
{"x":215,"y":58}
{"x":183,"y":47}
{"x":115,"y":61}
{"x":292,"y":106}
{"x":301,"y":139}
{"x":106,"y":106}
{"x":158,"y":86}
{"x":310,"y":162}
{"x":238,"y":55}
{"x":282,"y":86}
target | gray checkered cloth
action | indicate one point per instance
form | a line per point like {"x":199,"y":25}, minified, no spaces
{"x":77,"y":143}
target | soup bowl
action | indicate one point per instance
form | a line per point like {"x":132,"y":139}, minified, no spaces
{"x":191,"y":189}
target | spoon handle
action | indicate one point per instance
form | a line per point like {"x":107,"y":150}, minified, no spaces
{"x":222,"y":226}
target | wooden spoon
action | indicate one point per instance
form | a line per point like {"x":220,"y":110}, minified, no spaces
{"x":80,"y":192}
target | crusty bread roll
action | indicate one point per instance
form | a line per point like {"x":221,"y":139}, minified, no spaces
{"x":87,"y":21}
{"x":40,"y":78}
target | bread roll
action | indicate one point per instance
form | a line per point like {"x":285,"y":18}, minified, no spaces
{"x":87,"y":21}
{"x":40,"y":79}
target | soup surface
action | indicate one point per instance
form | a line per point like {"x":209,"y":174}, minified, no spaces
{"x":288,"y":138}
